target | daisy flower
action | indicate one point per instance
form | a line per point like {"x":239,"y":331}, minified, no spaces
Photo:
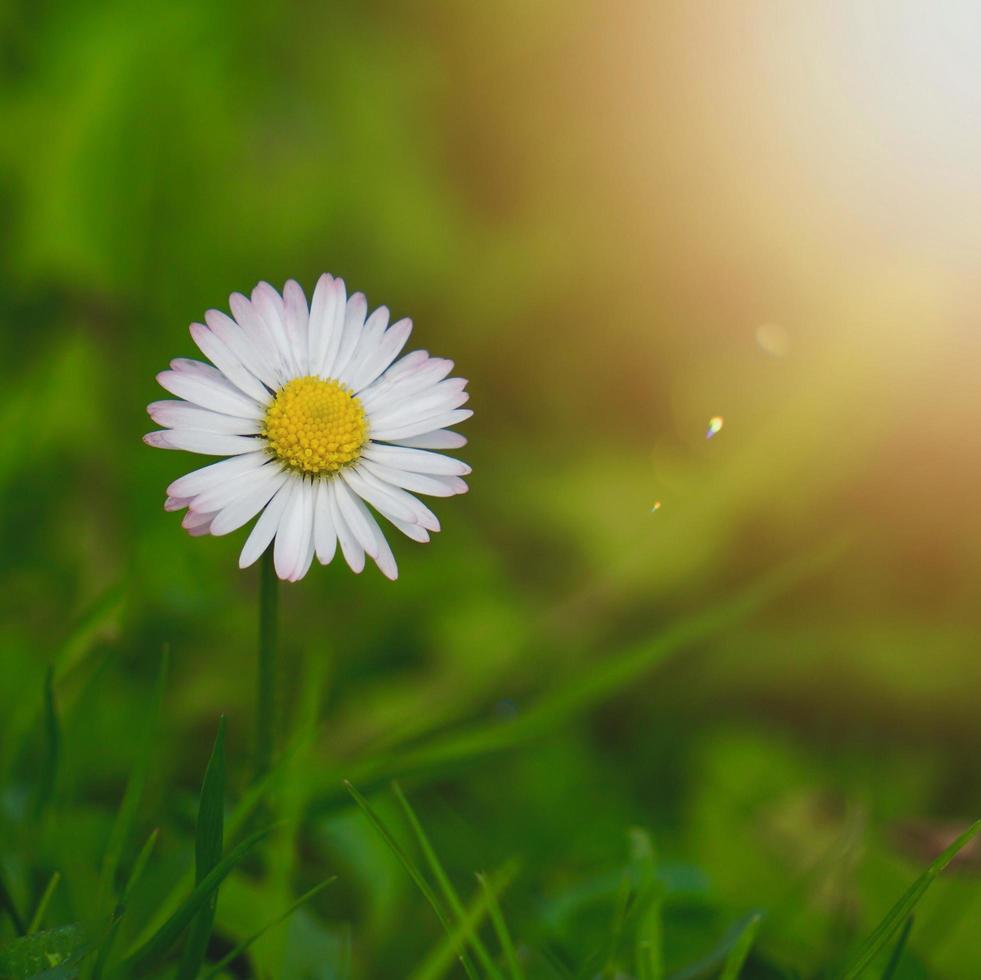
{"x":318,"y":419}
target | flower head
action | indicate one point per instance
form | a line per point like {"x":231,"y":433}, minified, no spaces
{"x":317,"y":420}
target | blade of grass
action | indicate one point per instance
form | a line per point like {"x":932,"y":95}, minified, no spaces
{"x":897,"y":951}
{"x":442,"y":958}
{"x":139,"y":866}
{"x":7,"y":903}
{"x":230,"y":957}
{"x":52,"y":746}
{"x":501,"y":929}
{"x":713,"y":962}
{"x":413,"y":871}
{"x":235,"y":823}
{"x":138,"y":962}
{"x":648,"y":939}
{"x":739,"y":952}
{"x":877,"y":941}
{"x":207,"y":854}
{"x":620,"y":908}
{"x":445,"y":885}
{"x":42,"y":906}
{"x":126,"y":815}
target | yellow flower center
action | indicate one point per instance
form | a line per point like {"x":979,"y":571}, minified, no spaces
{"x":315,"y":426}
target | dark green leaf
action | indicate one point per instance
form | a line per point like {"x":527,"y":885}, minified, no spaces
{"x":31,"y":956}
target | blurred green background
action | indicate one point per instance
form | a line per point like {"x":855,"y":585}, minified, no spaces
{"x":620,"y":220}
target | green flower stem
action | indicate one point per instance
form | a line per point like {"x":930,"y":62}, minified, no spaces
{"x":265,"y":724}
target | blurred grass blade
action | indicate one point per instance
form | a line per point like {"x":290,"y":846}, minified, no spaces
{"x":620,"y":908}
{"x":648,"y":940}
{"x":243,"y":946}
{"x":715,"y":961}
{"x":445,"y":885}
{"x":126,"y":815}
{"x":160,"y":942}
{"x":739,"y":952}
{"x":413,"y":871}
{"x":443,"y":957}
{"x":42,"y":906}
{"x":207,"y":854}
{"x":897,"y":951}
{"x":876,"y":942}
{"x":52,"y":746}
{"x":501,"y":929}
{"x":139,"y":866}
{"x":8,"y":905}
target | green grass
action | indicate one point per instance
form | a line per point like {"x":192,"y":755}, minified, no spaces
{"x":640,"y":920}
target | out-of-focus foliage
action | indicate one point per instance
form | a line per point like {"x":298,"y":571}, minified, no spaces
{"x":620,"y":220}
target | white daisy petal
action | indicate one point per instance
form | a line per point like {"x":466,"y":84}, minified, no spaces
{"x":396,"y":433}
{"x":269,"y":305}
{"x":352,"y":551}
{"x":398,"y":383}
{"x":384,"y":558}
{"x":383,"y":355}
{"x":433,"y":486}
{"x":266,"y":527}
{"x":192,"y":519}
{"x":297,"y":317}
{"x":334,"y":328}
{"x":184,"y":415}
{"x":231,"y":490}
{"x":444,"y":397}
{"x":437,"y":439}
{"x":416,"y":460}
{"x":221,"y":355}
{"x":254,"y":327}
{"x":304,"y":566}
{"x":206,"y":443}
{"x":242,"y":346}
{"x":413,"y":531}
{"x":295,"y":532}
{"x":199,"y":530}
{"x":215,"y":474}
{"x":175,"y":503}
{"x":356,"y":515}
{"x":320,"y":321}
{"x":380,"y":495}
{"x":325,"y":537}
{"x":208,"y":393}
{"x":242,"y":509}
{"x":357,"y":307}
